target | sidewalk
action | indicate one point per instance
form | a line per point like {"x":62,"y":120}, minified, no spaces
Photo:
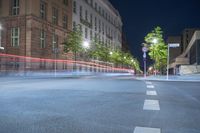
{"x":184,"y":78}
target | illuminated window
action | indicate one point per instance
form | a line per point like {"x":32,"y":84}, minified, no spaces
{"x":42,"y":39}
{"x":15,"y":34}
{"x":15,"y":7}
{"x":43,"y":7}
{"x":55,"y":16}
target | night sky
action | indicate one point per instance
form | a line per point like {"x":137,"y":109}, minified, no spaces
{"x":141,"y":16}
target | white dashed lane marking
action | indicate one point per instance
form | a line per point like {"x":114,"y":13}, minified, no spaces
{"x":146,"y":130}
{"x":149,"y":83}
{"x":151,"y":105}
{"x":150,"y":86}
{"x":151,"y":93}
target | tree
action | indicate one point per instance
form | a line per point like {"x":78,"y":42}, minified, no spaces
{"x":157,"y":48}
{"x":99,"y":51}
{"x":73,"y":42}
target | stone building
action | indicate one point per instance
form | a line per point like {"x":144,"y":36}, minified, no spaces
{"x":34,"y":28}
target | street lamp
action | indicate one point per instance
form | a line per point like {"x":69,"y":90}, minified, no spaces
{"x":86,"y":44}
{"x":154,"y":42}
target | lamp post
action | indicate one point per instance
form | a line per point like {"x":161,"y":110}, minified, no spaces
{"x":55,"y":51}
{"x":154,"y":42}
{"x":86,"y":46}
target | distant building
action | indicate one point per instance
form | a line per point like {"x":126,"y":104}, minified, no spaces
{"x":98,"y":19}
{"x":189,"y":59}
{"x":125,"y":45}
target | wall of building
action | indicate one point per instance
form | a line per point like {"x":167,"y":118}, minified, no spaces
{"x":30,"y":24}
{"x":174,"y":52}
{"x":108,"y":28}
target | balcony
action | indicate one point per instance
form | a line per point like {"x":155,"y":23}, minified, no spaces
{"x":86,"y":23}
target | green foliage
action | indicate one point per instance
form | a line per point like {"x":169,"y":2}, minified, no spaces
{"x":73,"y":42}
{"x":158,"y":48}
{"x":99,"y":51}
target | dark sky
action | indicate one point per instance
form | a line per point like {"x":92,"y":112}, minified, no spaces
{"x":141,"y":16}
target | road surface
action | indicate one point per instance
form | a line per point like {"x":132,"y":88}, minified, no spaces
{"x":98,"y":105}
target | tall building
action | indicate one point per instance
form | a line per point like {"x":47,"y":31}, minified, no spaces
{"x":34,"y":28}
{"x":98,"y":19}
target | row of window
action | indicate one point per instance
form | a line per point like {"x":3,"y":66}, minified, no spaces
{"x":15,"y":38}
{"x":55,"y":14}
{"x":15,"y":8}
{"x":97,"y":8}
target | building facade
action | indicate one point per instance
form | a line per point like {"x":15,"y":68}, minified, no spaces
{"x":189,"y":60}
{"x":98,"y":19}
{"x":34,"y":28}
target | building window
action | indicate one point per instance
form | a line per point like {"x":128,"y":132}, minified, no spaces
{"x":99,"y":25}
{"x":65,"y":21}
{"x":86,"y":33}
{"x":95,"y":24}
{"x":74,"y":7}
{"x":54,"y":41}
{"x":42,"y":39}
{"x":43,"y":7}
{"x":95,"y":6}
{"x":91,"y":19}
{"x":86,"y":15}
{"x":15,"y":7}
{"x":91,"y":35}
{"x":74,"y":25}
{"x":55,"y":16}
{"x":15,"y":34}
{"x":81,"y":12}
{"x":81,"y":28}
{"x":65,"y":2}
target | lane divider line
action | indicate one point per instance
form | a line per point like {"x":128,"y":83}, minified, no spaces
{"x":146,"y":130}
{"x":151,"y":93}
{"x":150,"y":86}
{"x":149,"y":83}
{"x":151,"y":105}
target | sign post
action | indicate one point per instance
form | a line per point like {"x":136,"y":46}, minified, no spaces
{"x":144,"y":50}
{"x":170,"y":45}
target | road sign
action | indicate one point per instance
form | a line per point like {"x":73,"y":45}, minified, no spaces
{"x":174,"y":45}
{"x":144,"y":49}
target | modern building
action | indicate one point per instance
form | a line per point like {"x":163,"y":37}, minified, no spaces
{"x":98,"y":19}
{"x":34,"y":28}
{"x":189,"y":60}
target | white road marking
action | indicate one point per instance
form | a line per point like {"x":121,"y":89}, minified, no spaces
{"x":151,"y":93}
{"x":151,"y":105}
{"x":149,"y":83}
{"x":150,"y":86}
{"x":146,"y":130}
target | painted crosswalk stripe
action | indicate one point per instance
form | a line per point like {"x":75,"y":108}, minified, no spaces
{"x":149,"y":83}
{"x":151,"y":105}
{"x":146,"y":130}
{"x":150,"y":86}
{"x":151,"y":93}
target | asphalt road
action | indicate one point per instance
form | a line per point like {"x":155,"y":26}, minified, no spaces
{"x":98,"y":105}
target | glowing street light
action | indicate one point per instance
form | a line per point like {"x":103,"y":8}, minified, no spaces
{"x":155,"y":41}
{"x":86,"y":44}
